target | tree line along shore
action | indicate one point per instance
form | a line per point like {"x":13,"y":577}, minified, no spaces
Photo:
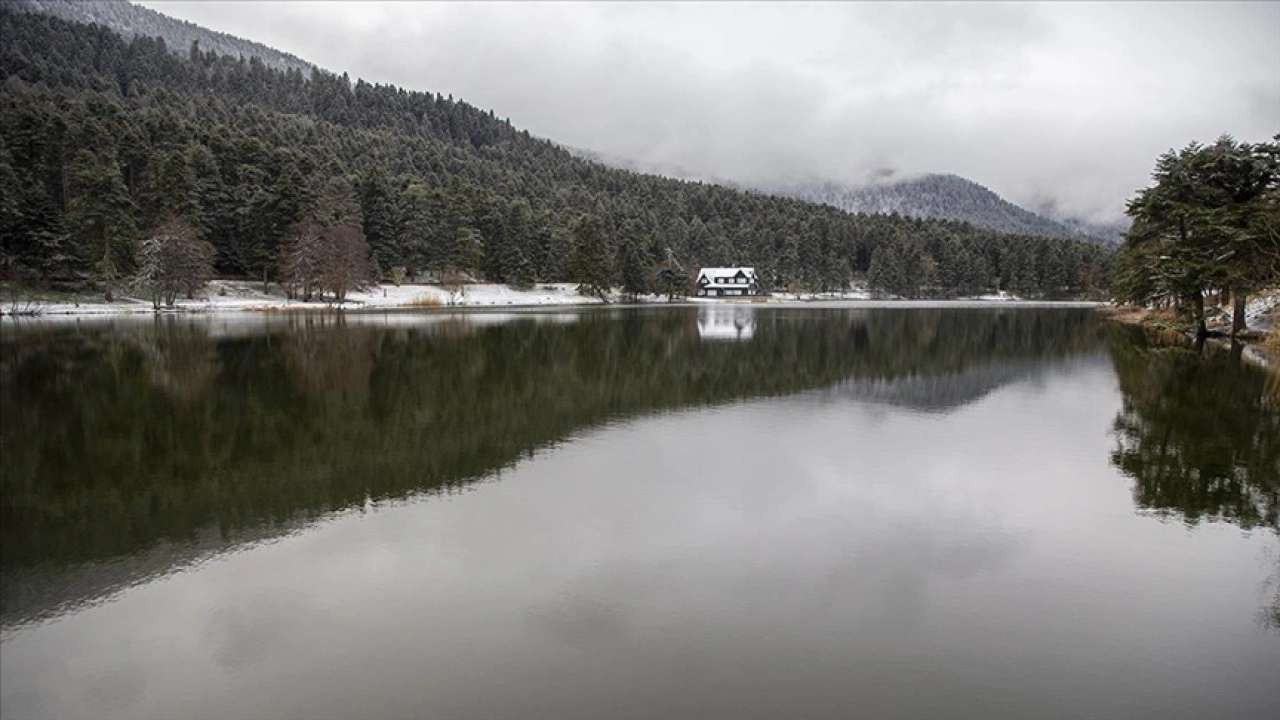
{"x":1206,"y":237}
{"x":126,"y":167}
{"x":117,"y":157}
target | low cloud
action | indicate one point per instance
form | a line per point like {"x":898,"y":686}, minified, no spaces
{"x":1064,"y":105}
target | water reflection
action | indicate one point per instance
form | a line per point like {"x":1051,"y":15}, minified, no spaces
{"x":888,"y":513}
{"x":1199,"y":434}
{"x":726,"y":322}
{"x":150,"y":444}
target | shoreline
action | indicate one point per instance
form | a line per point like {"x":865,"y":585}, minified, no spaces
{"x":240,"y":297}
{"x":1254,"y":343}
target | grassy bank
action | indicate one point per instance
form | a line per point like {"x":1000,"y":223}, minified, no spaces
{"x":1262,"y":338}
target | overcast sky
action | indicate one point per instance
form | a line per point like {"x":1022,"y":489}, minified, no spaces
{"x":1064,"y":103}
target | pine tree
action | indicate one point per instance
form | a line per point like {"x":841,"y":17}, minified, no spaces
{"x":1056,"y":276}
{"x":100,"y":215}
{"x":671,"y":277}
{"x":421,"y":245}
{"x":633,"y":261}
{"x":465,"y":252}
{"x":589,"y":264}
{"x":383,"y":221}
{"x":888,"y":272}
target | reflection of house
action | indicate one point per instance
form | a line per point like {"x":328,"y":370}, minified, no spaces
{"x":724,"y":282}
{"x":726,"y":323}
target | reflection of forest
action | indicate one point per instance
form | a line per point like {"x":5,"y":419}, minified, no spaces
{"x":1199,"y":434}
{"x":125,"y":445}
{"x":943,"y":392}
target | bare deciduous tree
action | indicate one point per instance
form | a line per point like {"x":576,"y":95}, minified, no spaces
{"x":321,"y":260}
{"x":173,"y":260}
{"x":300,"y":261}
{"x":455,"y":284}
{"x":344,"y":264}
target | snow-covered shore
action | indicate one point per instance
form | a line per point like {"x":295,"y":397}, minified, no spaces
{"x":243,"y":296}
{"x":234,"y":296}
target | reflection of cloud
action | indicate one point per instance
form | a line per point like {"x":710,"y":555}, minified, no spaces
{"x":244,"y":635}
{"x":117,"y":687}
{"x":773,"y":549}
{"x":886,"y":573}
{"x":579,"y":620}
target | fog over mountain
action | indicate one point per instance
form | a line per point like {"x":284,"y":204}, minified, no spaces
{"x":949,"y":197}
{"x":1051,"y":106}
{"x":938,"y":196}
{"x":132,"y":20}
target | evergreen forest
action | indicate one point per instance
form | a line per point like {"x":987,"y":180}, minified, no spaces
{"x":106,"y":143}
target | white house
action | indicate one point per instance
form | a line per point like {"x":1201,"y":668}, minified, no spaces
{"x":726,"y":281}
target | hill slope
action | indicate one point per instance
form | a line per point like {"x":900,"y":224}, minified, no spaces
{"x":101,"y":139}
{"x":131,"y":21}
{"x":946,"y":197}
{"x":932,"y":196}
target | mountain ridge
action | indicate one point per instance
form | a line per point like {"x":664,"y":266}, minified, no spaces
{"x":936,"y":196}
{"x":131,"y":20}
{"x":947,"y":196}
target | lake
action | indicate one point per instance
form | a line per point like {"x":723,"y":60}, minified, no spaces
{"x":716,"y":512}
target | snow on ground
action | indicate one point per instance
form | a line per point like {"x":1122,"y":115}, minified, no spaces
{"x":855,"y":294}
{"x":863,"y":294}
{"x":478,"y":295}
{"x":230,"y":296}
{"x":233,"y":296}
{"x":1263,"y":310}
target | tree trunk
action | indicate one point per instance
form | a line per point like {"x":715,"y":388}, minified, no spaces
{"x":1238,"y":298}
{"x":1197,"y":300}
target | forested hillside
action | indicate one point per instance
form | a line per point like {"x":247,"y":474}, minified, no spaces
{"x":949,"y":197}
{"x":933,"y":196}
{"x":103,"y":140}
{"x":134,"y":20}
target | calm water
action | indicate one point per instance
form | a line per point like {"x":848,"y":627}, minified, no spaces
{"x":716,"y":513}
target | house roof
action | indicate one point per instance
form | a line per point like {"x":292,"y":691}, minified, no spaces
{"x":717,"y":273}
